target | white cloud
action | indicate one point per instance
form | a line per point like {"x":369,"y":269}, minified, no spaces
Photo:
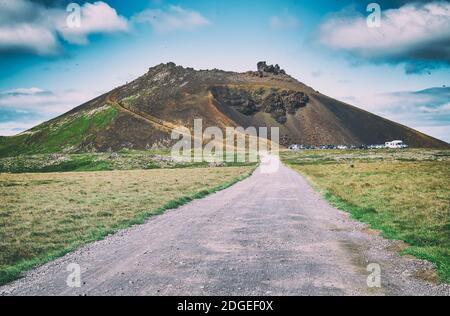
{"x":96,"y":18}
{"x":28,"y":107}
{"x":172,"y":19}
{"x":29,"y":27}
{"x":28,"y":38}
{"x":417,"y":32}
{"x":427,"y":111}
{"x":284,"y":22}
{"x":43,"y":102}
{"x":439,"y":132}
{"x":32,"y":90}
{"x":16,"y":127}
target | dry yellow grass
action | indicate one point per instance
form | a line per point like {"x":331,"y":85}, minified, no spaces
{"x":45,"y":215}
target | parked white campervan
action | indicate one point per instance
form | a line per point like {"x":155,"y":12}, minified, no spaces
{"x":396,"y":144}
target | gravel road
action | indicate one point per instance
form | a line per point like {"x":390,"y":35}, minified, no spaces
{"x":270,"y":234}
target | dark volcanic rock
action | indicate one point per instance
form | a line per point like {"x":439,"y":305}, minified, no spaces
{"x":263,"y":69}
{"x":277,"y":102}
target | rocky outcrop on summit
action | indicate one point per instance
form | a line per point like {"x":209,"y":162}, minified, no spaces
{"x":264,"y":69}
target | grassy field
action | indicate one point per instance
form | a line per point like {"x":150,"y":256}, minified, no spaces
{"x":405,"y":194}
{"x":45,"y":215}
{"x":122,"y":160}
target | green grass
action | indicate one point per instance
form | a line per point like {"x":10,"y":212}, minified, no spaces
{"x":47,"y":163}
{"x":131,"y":101}
{"x":78,"y":208}
{"x":404,"y":194}
{"x":50,"y":137}
{"x":123,"y":160}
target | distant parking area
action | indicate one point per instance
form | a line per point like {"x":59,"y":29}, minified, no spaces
{"x":396,"y":144}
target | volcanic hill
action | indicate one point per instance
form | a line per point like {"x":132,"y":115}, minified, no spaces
{"x":142,"y":113}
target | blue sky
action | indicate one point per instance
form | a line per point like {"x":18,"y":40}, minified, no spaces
{"x":47,"y":68}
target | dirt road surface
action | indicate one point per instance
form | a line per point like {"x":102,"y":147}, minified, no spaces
{"x":270,"y":234}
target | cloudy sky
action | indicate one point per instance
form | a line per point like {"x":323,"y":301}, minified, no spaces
{"x":399,"y":70}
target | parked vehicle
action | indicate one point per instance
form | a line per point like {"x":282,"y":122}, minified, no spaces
{"x":295,"y":147}
{"x":396,"y":144}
